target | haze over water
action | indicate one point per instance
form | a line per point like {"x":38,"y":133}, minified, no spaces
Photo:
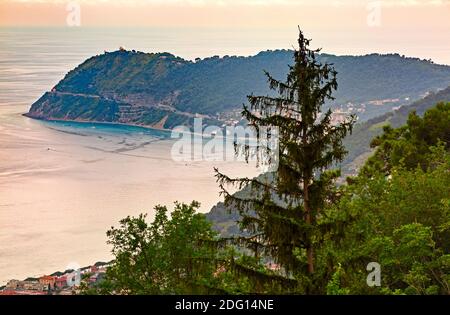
{"x":63,"y":185}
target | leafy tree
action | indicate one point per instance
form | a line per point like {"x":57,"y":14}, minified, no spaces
{"x":398,"y":216}
{"x":281,"y":213}
{"x":168,"y":256}
{"x":410,"y":145}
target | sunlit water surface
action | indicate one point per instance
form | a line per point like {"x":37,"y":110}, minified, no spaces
{"x":63,"y":185}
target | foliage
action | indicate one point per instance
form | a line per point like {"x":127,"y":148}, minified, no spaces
{"x":169,"y":256}
{"x":410,"y":145}
{"x":281,"y":214}
{"x":399,"y":216}
{"x":400,"y":219}
{"x":358,"y":143}
{"x":300,"y":233}
{"x":162,"y":82}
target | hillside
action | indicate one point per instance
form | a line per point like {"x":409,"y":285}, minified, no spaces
{"x":162,"y":90}
{"x":358,"y":142}
{"x":224,"y":218}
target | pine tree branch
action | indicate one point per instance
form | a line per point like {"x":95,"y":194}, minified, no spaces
{"x":262,"y":278}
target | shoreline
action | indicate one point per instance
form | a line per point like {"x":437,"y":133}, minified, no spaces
{"x":96,"y":122}
{"x":59,"y":272}
{"x":145,"y":127}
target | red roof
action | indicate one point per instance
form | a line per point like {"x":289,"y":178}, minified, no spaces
{"x":47,"y":278}
{"x":14,"y":292}
{"x":31,"y":293}
{"x":8,"y":292}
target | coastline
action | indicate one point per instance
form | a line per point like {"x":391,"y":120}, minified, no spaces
{"x":147,"y":127}
{"x":34,"y":285}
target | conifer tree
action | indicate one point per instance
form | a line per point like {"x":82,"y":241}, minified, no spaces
{"x":280,"y":214}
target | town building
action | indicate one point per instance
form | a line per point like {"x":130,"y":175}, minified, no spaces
{"x":48,"y":281}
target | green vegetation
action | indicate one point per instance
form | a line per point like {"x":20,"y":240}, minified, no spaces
{"x":357,"y":143}
{"x":400,"y":220}
{"x":283,"y":225}
{"x":300,"y":232}
{"x":156,"y":85}
{"x":172,"y":255}
{"x":410,"y":145}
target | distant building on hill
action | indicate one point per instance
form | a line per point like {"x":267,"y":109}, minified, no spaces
{"x":22,"y":287}
{"x":61,"y":282}
{"x":48,"y":281}
{"x":12,"y":284}
{"x":338,"y":117}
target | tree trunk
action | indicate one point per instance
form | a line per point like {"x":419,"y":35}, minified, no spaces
{"x":309,"y":248}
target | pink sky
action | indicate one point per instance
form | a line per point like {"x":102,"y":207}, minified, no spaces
{"x":413,"y":27}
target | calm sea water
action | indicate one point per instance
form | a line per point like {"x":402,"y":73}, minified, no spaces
{"x":62,"y":185}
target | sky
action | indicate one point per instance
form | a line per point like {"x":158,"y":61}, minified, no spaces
{"x":413,"y":27}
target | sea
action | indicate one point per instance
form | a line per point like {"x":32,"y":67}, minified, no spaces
{"x":63,"y":185}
